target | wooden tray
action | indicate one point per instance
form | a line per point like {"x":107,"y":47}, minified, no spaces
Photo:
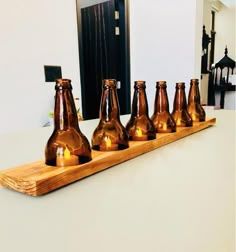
{"x":37,"y":178}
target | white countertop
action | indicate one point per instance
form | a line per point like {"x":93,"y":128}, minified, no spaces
{"x":178,"y":198}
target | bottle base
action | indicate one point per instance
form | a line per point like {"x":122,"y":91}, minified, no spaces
{"x":81,"y":160}
{"x":112,"y":147}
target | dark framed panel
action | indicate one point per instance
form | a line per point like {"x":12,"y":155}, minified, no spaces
{"x":103,"y":53}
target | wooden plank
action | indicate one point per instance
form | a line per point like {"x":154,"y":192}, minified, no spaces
{"x":36,"y":178}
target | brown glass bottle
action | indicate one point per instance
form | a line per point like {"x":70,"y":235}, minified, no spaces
{"x":194,"y":107}
{"x":162,"y":119}
{"x":180,"y":113}
{"x":110,"y":134}
{"x":67,"y":145}
{"x":140,"y":127}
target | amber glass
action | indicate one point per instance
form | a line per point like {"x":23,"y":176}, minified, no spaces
{"x":194,"y":107}
{"x":180,"y":113}
{"x":67,"y":145}
{"x":110,"y":134}
{"x":162,"y":119}
{"x":140,"y":127}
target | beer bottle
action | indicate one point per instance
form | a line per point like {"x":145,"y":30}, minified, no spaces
{"x":140,"y":127}
{"x":110,"y":134}
{"x":180,"y":113}
{"x":67,"y":145}
{"x":162,"y":119}
{"x":194,"y":107}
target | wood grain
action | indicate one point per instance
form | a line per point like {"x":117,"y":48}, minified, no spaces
{"x":36,"y":178}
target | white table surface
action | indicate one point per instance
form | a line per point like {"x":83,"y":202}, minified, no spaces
{"x":178,"y":198}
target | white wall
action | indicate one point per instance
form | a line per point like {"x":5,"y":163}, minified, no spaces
{"x":165,"y":43}
{"x":207,"y":7}
{"x":34,"y":34}
{"x":225,"y":25}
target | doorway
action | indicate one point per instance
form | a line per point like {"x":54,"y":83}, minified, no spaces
{"x":103,"y":31}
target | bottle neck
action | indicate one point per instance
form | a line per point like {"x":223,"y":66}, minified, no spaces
{"x":194,"y":95}
{"x":161,"y":100}
{"x":139,"y":105}
{"x":65,"y":115}
{"x":180,"y":102}
{"x":109,"y":108}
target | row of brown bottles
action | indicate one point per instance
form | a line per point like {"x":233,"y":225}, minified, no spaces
{"x":162,"y":121}
{"x":183,"y":114}
{"x":67,"y":144}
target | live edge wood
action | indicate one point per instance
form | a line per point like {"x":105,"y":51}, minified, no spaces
{"x":37,"y":178}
